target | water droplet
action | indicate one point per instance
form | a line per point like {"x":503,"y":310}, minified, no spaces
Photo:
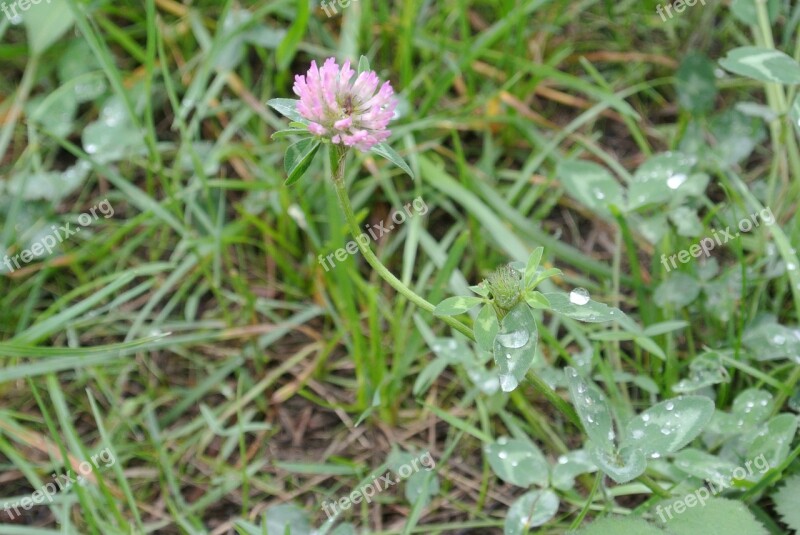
{"x":645,"y":417}
{"x":669,"y":406}
{"x":502,"y":441}
{"x":513,"y":340}
{"x":514,"y":463}
{"x":778,"y":339}
{"x":579,"y":296}
{"x":666,"y":431}
{"x":508,"y":356}
{"x":599,"y":194}
{"x":562,"y":459}
{"x":637,"y":434}
{"x":590,"y":419}
{"x":791,"y":267}
{"x":655,"y":456}
{"x":675,"y":181}
{"x":508,"y":383}
{"x":582,"y":388}
{"x":91,"y":148}
{"x":611,"y":435}
{"x":502,"y":455}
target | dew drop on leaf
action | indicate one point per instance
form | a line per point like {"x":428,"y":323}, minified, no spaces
{"x":579,"y":296}
{"x":513,"y":340}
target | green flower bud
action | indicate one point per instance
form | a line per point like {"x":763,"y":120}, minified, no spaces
{"x":505,"y":287}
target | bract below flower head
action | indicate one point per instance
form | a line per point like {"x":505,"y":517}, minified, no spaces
{"x":348,"y":113}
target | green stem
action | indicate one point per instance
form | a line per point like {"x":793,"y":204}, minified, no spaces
{"x":645,"y":480}
{"x":397,"y":284}
{"x":338,"y":158}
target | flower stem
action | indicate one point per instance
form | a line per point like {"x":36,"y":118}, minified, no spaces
{"x":339,"y":158}
{"x":338,"y":162}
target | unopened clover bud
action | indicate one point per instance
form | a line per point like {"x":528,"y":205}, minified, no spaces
{"x":504,"y":285}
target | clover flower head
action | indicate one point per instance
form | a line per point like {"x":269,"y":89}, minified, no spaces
{"x":348,"y":113}
{"x":504,"y":285}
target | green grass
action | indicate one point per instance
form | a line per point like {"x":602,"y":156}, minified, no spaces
{"x":196,"y":336}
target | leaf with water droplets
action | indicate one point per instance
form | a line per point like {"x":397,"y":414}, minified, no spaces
{"x":452,"y":350}
{"x":518,"y":462}
{"x":113,"y":136}
{"x":659,"y":179}
{"x":770,"y":340}
{"x":622,"y":466}
{"x":592,"y":408}
{"x":486,"y":328}
{"x":735,"y":137}
{"x":487,"y":381}
{"x":752,"y":406}
{"x":570,"y":466}
{"x":531,"y":509}
{"x":452,"y":306}
{"x":515,"y":346}
{"x":579,"y":306}
{"x":705,"y":370}
{"x":592,"y":185}
{"x":668,"y":426}
{"x":774,"y":439}
{"x":703,"y":465}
